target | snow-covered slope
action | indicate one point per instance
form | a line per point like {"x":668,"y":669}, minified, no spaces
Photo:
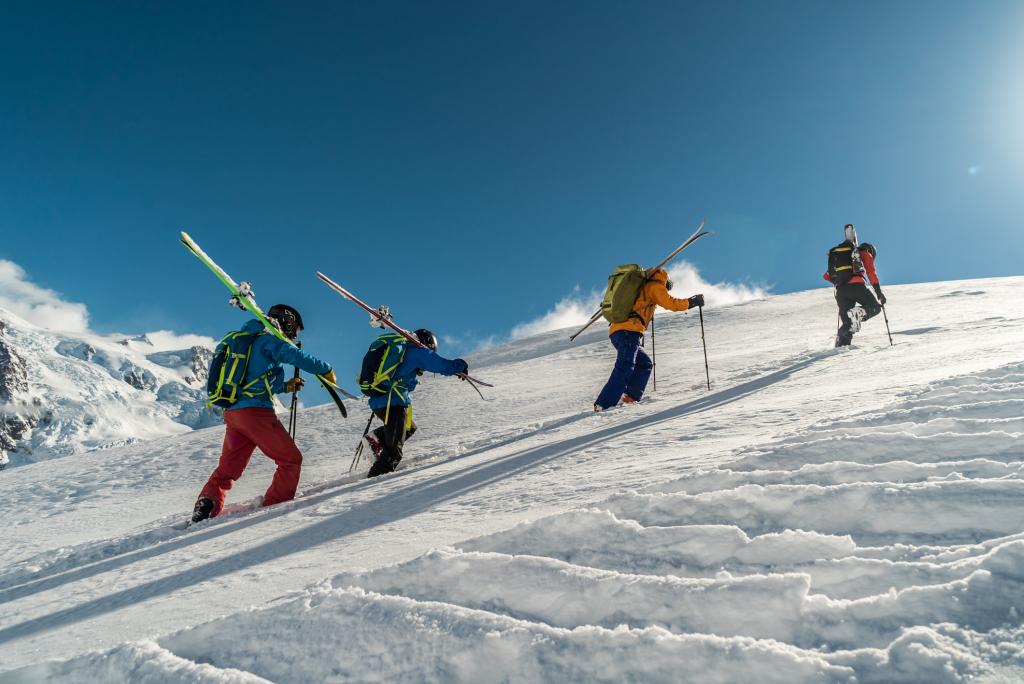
{"x":819,"y":516}
{"x":69,"y":392}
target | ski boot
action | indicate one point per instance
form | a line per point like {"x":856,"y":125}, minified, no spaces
{"x":371,"y":442}
{"x":204,"y":507}
{"x":626,"y":399}
{"x":382,"y":466}
{"x":856,"y":315}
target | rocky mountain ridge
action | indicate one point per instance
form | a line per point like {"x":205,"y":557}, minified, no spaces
{"x":65,"y":393}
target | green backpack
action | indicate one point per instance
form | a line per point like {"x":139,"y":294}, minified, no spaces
{"x":624,"y":286}
{"x":227,"y":371}
{"x":382,"y":359}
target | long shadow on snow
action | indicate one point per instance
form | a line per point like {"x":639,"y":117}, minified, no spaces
{"x":142,"y":548}
{"x":396,"y":502}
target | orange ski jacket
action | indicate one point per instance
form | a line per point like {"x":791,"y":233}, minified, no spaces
{"x":653,"y":294}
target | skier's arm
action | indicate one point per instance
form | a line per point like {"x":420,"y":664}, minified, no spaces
{"x":282,"y":352}
{"x":663,"y":299}
{"x":869,"y":267}
{"x":432,"y":362}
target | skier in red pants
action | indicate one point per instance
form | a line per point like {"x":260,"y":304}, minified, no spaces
{"x":250,"y":420}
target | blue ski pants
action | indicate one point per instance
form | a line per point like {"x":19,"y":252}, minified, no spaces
{"x":631,"y":372}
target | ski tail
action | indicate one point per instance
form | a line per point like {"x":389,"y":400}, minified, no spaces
{"x":697,"y":235}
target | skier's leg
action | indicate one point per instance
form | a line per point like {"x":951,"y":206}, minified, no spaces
{"x":845,"y":335}
{"x":392,"y":439}
{"x":378,"y":433}
{"x":263,"y":428}
{"x":641,"y":374}
{"x":626,"y":343}
{"x":867,"y":300}
{"x":234,"y":457}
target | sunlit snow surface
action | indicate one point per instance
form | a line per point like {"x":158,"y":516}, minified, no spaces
{"x":819,"y":516}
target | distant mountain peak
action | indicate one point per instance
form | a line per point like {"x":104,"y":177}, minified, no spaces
{"x":65,"y":393}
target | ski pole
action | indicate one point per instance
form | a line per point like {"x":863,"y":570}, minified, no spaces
{"x":359,"y":448}
{"x":654,"y":358}
{"x":703,"y":341}
{"x":293,"y":417}
{"x":886,"y":317}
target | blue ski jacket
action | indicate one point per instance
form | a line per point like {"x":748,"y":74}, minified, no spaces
{"x":406,"y":377}
{"x":268,"y":354}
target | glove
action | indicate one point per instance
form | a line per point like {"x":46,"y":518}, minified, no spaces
{"x":696,"y":300}
{"x":878,"y":293}
{"x":293,"y":384}
{"x":461,"y":366}
{"x":329,"y":377}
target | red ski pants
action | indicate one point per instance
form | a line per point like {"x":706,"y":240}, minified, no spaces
{"x":247,"y":429}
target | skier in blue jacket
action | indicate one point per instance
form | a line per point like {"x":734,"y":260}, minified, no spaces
{"x":395,"y":407}
{"x":251,"y":422}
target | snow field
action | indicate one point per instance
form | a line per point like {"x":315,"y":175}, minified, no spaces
{"x":769,"y":531}
{"x":923,"y":585}
{"x":775,"y":555}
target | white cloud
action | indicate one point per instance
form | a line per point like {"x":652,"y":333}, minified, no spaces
{"x":577,"y":308}
{"x":167,"y":340}
{"x":688,"y":281}
{"x":37,"y":305}
{"x":48,"y":310}
{"x":574,"y":309}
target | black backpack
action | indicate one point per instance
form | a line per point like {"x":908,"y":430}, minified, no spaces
{"x":843,"y":263}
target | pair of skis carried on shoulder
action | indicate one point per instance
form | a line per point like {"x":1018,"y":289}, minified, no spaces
{"x":383,"y":317}
{"x":243,"y":297}
{"x":697,"y":235}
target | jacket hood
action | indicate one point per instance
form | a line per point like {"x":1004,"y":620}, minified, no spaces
{"x":659,"y":276}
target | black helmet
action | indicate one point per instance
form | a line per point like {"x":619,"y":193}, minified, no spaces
{"x":287,"y":318}
{"x":426,"y":338}
{"x":867,"y":247}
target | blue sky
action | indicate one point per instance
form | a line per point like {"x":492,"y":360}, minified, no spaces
{"x":470,"y":164}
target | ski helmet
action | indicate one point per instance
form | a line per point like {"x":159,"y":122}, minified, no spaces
{"x":426,"y":338}
{"x":287,"y":318}
{"x":867,"y":247}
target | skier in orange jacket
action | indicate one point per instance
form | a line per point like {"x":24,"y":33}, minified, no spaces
{"x":632,"y":364}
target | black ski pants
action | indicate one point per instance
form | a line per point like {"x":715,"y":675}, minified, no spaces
{"x":847,"y":296}
{"x":391,"y":435}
